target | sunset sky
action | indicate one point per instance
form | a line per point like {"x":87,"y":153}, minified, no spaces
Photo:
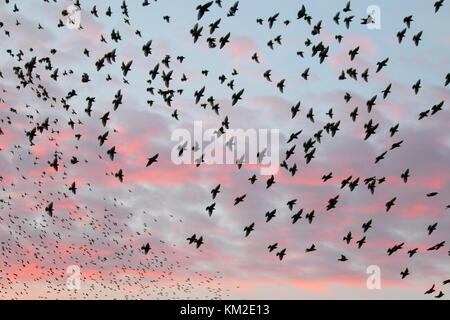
{"x":102,"y":227}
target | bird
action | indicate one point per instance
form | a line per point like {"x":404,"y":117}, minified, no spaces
{"x":237,"y":200}
{"x":192,"y":239}
{"x":412,"y":252}
{"x":215,"y":191}
{"x":199,"y":242}
{"x":332,"y":203}
{"x":152,"y":160}
{"x":342,"y":258}
{"x":405,"y":176}
{"x":270,"y":181}
{"x":436,"y":246}
{"x":272,"y":247}
{"x":367,"y":225}
{"x":361,"y":242}
{"x":272,"y":19}
{"x":280,"y":85}
{"x":404,"y":273}
{"x":211,"y":208}
{"x":348,"y":237}
{"x":390,"y":204}
{"x":281,"y":254}
{"x":407,"y":20}
{"x":146,"y":248}
{"x":248,"y":229}
{"x":310,"y":216}
{"x":297,"y":216}
{"x":431,"y":228}
{"x":417,"y":38}
{"x":49,"y":209}
{"x":416,"y":86}
{"x":401,"y":35}
{"x":438,"y":5}
{"x":431,"y":290}
{"x":236,"y":97}
{"x":382,"y":64}
{"x":267,"y":74}
{"x":202,"y":9}
{"x":291,"y":204}
{"x":270,"y":215}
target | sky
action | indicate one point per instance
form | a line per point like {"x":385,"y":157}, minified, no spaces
{"x":102,"y":227}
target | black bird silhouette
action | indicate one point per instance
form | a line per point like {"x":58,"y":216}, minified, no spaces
{"x":380,"y":157}
{"x":146,"y":248}
{"x":119,"y":175}
{"x":281,"y":254}
{"x":438,"y":5}
{"x":213,"y":26}
{"x":224,"y":40}
{"x":404,"y":273}
{"x":310,"y":216}
{"x":192,"y":239}
{"x":199,"y":242}
{"x":111,"y":152}
{"x":416,"y":86}
{"x":211,"y":208}
{"x":239,"y":199}
{"x":436,"y":246}
{"x":367,"y":225}
{"x":327,"y":177}
{"x":102,"y":138}
{"x":396,"y":144}
{"x":382,"y":64}
{"x":342,"y":258}
{"x":249,"y":229}
{"x":361,"y":242}
{"x":297,"y":216}
{"x":73,"y":188}
{"x":390,"y":204}
{"x":291,"y":204}
{"x":270,"y":215}
{"x":416,"y":38}
{"x":215,"y":191}
{"x":332,"y":203}
{"x":387,"y":91}
{"x":272,"y":19}
{"x":49,"y":209}
{"x":152,"y":160}
{"x":348,"y":237}
{"x":147,"y":48}
{"x":431,"y":228}
{"x":270,"y":182}
{"x":408,"y":21}
{"x":412,"y":252}
{"x":395,"y":248}
{"x":236,"y":97}
{"x":202,"y":9}
{"x":405,"y":176}
{"x":401,"y":35}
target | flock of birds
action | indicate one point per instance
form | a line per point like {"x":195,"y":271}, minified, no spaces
{"x":105,"y":231}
